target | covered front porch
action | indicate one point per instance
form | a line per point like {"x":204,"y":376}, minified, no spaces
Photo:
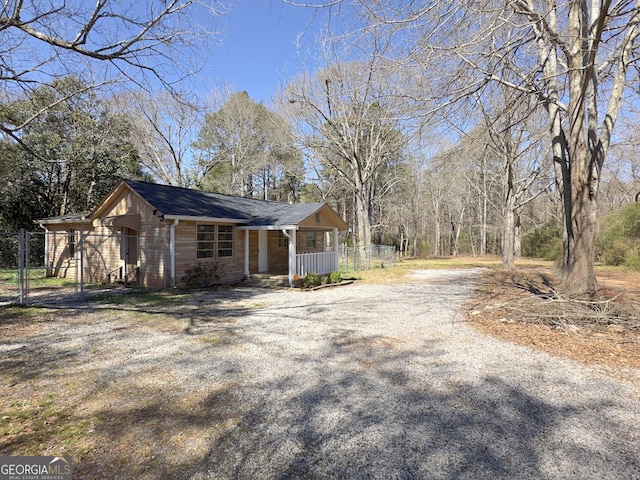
{"x":290,"y":250}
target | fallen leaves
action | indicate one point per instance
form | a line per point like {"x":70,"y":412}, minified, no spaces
{"x":520,"y":307}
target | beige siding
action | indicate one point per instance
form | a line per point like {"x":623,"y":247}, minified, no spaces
{"x":324,"y":219}
{"x":60,"y":262}
{"x":152,"y":241}
{"x":278,"y":256}
{"x":230,"y":269}
{"x":301,"y":240}
{"x":102,"y":245}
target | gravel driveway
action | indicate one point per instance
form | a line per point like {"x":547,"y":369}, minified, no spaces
{"x":378,"y":381}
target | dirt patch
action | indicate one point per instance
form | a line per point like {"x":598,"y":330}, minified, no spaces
{"x":509,"y":306}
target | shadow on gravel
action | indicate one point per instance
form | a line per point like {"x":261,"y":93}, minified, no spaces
{"x":362,"y":414}
{"x":360,"y":406}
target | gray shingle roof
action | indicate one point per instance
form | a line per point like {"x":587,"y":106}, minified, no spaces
{"x":196,"y":203}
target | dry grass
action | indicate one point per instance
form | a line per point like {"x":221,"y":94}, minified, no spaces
{"x":398,"y":273}
{"x":65,"y":396}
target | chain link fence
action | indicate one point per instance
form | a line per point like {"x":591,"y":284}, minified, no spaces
{"x":21,"y":265}
{"x":366,"y":257}
{"x":60,"y":266}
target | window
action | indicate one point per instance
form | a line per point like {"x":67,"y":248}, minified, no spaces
{"x":225,"y":241}
{"x":71,"y":242}
{"x":206,"y":241}
{"x":311,"y":239}
{"x":214,"y":241}
{"x":283,"y":242}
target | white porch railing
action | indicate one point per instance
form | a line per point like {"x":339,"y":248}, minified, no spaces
{"x":320,"y":263}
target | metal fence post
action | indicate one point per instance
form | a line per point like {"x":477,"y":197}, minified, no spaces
{"x":81,"y":253}
{"x":21,"y":257}
{"x":27,"y":262}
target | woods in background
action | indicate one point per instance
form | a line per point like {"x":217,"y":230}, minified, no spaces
{"x":511,"y":136}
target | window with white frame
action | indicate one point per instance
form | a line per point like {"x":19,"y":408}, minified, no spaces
{"x":225,"y":241}
{"x":206,"y":241}
{"x":311,"y":239}
{"x":214,"y":241}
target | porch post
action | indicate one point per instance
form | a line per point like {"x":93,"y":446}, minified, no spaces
{"x":291,"y":236}
{"x":246,"y":253}
{"x":336,"y":250}
{"x":172,"y":250}
{"x":292,"y":256}
{"x":123,"y":248}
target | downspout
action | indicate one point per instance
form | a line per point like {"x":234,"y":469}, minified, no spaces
{"x":336,"y":251}
{"x":172,"y":251}
{"x":47,"y":270}
{"x":292,"y":253}
{"x":246,"y":253}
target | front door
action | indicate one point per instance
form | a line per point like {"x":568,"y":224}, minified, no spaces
{"x":130,"y":249}
{"x":263,"y":251}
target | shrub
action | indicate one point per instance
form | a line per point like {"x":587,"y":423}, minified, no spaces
{"x":615,"y":253}
{"x":618,"y":238}
{"x":311,"y":280}
{"x":335,"y":277}
{"x":202,"y":275}
{"x":632,"y":260}
{"x":630,"y":216}
{"x":544,"y":242}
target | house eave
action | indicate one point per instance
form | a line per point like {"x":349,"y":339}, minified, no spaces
{"x":189,"y":218}
{"x":268,"y":227}
{"x":64,"y":221}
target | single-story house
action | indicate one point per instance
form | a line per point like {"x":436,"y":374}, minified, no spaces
{"x":157,"y":234}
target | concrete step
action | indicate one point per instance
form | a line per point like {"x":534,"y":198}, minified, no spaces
{"x":267,"y":280}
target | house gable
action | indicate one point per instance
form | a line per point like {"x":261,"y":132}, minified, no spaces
{"x":324,"y":218}
{"x":122,"y":201}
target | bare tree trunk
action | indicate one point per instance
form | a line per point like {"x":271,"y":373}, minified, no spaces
{"x":437,"y":233}
{"x":508,"y":232}
{"x":509,"y":206}
{"x":364,"y":225}
{"x":517,"y":238}
{"x":578,"y":273}
{"x":483,"y":231}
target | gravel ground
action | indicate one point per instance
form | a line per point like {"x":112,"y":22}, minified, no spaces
{"x":371,"y":381}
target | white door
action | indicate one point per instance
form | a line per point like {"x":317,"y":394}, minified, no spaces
{"x":263,"y":251}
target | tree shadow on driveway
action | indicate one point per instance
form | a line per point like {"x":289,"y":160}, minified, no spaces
{"x":378,"y":419}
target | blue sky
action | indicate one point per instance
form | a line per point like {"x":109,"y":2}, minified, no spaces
{"x":258,"y":49}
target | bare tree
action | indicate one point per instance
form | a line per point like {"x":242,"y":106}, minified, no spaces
{"x":142,"y":42}
{"x":348,"y":121}
{"x":573,"y":57}
{"x":244,"y":147}
{"x":512,"y":131}
{"x":164,"y":128}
